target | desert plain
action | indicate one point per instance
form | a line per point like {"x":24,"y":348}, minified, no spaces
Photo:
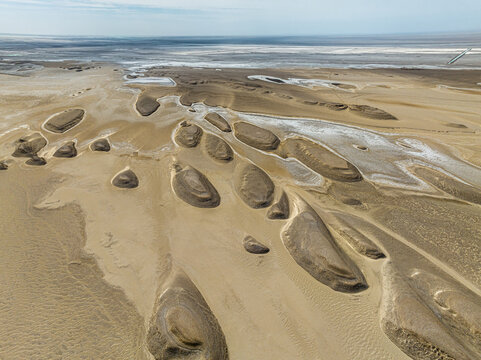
{"x":241,"y":214}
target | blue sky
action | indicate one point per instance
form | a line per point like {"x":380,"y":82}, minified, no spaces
{"x":237,"y":17}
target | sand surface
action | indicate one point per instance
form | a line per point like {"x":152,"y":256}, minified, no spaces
{"x":240,"y":214}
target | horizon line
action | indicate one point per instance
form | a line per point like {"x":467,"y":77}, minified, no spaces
{"x":417,"y":33}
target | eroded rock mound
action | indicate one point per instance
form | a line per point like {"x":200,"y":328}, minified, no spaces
{"x":253,"y":186}
{"x":456,"y":126}
{"x":188,"y":135}
{"x":279,"y":210}
{"x":146,"y":105}
{"x":457,"y":307}
{"x":28,"y":146}
{"x":194,"y":188}
{"x":448,"y":184}
{"x":361,"y":243}
{"x":336,"y":106}
{"x":255,"y":136}
{"x":351,"y":201}
{"x":254,"y":247}
{"x":321,"y":160}
{"x":100,"y":145}
{"x":183,"y":326}
{"x":65,"y":120}
{"x":218,"y":149}
{"x":126,"y":180}
{"x":3,"y":165}
{"x":412,"y":326}
{"x":353,"y":230}
{"x":275,"y":80}
{"x":218,"y":121}
{"x":67,"y":150}
{"x":344,"y":86}
{"x":36,"y":161}
{"x":311,"y":245}
{"x":371,"y":112}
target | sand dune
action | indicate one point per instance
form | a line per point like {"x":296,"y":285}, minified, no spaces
{"x":227,"y":217}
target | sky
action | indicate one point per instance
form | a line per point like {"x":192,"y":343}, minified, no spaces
{"x":237,"y":17}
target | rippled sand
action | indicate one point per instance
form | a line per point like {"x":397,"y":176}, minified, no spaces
{"x":241,"y":214}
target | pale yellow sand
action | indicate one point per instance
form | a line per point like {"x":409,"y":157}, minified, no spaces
{"x":83,"y":263}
